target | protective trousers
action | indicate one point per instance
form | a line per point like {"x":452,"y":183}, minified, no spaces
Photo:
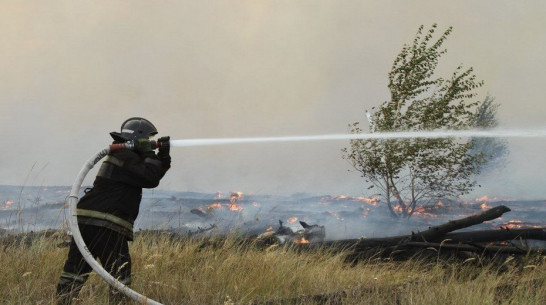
{"x":110,"y":247}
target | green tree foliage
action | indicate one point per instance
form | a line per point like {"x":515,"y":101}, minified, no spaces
{"x":407,"y":171}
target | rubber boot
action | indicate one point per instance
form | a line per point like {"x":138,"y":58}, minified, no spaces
{"x":69,"y":287}
{"x":67,"y":292}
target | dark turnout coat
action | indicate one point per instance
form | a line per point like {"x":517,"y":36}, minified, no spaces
{"x":114,"y":200}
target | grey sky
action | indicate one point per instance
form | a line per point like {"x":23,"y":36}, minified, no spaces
{"x":72,"y":71}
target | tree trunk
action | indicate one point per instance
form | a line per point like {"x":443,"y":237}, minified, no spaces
{"x":437,"y":232}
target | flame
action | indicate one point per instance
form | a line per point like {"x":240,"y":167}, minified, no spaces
{"x":513,"y":224}
{"x":486,"y":198}
{"x":439,"y":204}
{"x":366,"y":213}
{"x":235,"y":207}
{"x":483,"y":198}
{"x":518,"y":224}
{"x":235,"y":196}
{"x":369,"y":200}
{"x":269,"y":229}
{"x":7,"y":203}
{"x":231,"y":206}
{"x":419,"y":209}
{"x":499,"y":243}
{"x":424,"y":212}
{"x":335,"y":215}
{"x":484,"y":206}
{"x":292,"y":219}
{"x":214,"y":206}
{"x":301,"y":240}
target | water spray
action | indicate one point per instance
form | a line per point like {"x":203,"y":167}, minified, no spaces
{"x":476,"y":133}
{"x":73,"y":198}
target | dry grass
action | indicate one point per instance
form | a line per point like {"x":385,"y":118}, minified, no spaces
{"x":226,"y":272}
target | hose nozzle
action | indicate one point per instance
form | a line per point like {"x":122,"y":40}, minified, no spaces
{"x":131,"y":145}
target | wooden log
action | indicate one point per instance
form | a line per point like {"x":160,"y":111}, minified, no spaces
{"x":434,"y":235}
{"x":437,"y":232}
{"x":496,"y":235}
{"x":471,"y":236}
{"x":465,"y":240}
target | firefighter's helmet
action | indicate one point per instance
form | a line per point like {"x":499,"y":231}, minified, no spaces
{"x":133,"y":129}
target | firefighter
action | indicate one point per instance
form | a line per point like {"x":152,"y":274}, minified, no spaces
{"x":107,"y":212}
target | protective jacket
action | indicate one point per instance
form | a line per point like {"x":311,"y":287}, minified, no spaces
{"x":114,"y":200}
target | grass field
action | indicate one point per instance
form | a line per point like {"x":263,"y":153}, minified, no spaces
{"x":190,"y":271}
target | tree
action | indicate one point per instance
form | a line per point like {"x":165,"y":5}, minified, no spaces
{"x":408,"y":171}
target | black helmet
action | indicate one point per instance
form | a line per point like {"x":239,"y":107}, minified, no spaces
{"x":134,"y":128}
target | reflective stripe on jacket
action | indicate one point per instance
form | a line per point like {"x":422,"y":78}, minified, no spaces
{"x":112,"y":222}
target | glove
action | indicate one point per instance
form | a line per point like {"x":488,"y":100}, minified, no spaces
{"x":143,"y":146}
{"x":164,"y":147}
{"x":164,"y":150}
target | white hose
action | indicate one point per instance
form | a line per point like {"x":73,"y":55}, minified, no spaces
{"x":73,"y":222}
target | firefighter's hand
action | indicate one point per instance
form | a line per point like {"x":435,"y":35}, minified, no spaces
{"x":164,"y":150}
{"x":143,"y":146}
{"x":164,"y":146}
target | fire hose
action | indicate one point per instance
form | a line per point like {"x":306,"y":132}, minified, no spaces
{"x":76,"y":234}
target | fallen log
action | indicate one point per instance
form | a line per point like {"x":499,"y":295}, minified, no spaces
{"x":438,"y":232}
{"x":441,"y":237}
{"x":496,"y":235}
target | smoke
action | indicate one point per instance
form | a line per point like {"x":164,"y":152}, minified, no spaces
{"x":73,"y":71}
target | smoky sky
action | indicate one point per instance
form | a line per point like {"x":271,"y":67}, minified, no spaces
{"x":72,"y":71}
